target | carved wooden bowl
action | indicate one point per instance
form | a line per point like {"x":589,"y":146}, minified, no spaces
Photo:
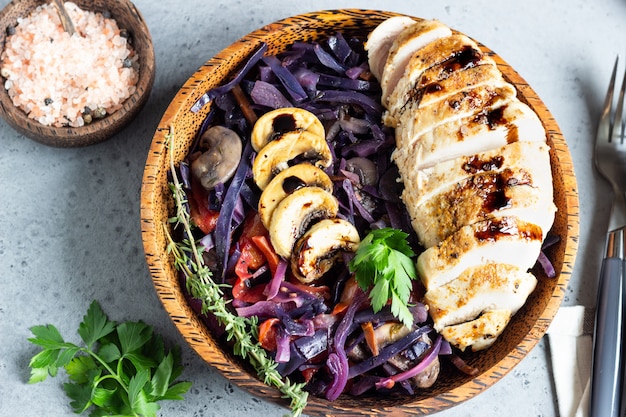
{"x":127,"y":17}
{"x":453,"y":387}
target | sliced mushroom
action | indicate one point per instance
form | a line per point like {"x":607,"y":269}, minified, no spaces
{"x":219,"y":162}
{"x":275,"y":156}
{"x":277,"y":122}
{"x":294,"y":214}
{"x":364,"y":168}
{"x":320,"y":247}
{"x":288,"y":181}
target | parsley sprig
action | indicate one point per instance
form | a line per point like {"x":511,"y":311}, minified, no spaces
{"x":123,"y":369}
{"x":383,"y":265}
{"x":241,"y":330}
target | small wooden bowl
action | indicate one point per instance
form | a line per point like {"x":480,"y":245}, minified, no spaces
{"x":127,"y":17}
{"x":452,"y":387}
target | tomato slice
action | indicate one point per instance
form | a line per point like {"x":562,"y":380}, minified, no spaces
{"x":263,"y":243}
{"x":201,"y":215}
{"x":251,"y":295}
{"x":268,"y":330}
{"x":251,"y":258}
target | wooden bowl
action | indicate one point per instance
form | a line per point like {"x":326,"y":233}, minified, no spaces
{"x":127,"y":17}
{"x":453,"y":387}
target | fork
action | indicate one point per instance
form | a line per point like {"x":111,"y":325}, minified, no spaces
{"x":610,"y":162}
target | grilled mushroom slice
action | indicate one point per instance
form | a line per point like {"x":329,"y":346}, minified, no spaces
{"x":320,"y":247}
{"x":219,"y":162}
{"x":288,"y":181}
{"x":275,"y":156}
{"x":295,"y":213}
{"x":277,"y":122}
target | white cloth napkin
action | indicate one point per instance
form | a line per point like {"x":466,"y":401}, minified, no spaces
{"x":571,"y":346}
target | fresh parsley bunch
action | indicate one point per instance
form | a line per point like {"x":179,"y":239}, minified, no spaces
{"x":123,"y":369}
{"x":383,"y":265}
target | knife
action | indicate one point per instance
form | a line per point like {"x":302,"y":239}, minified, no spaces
{"x":606,"y":368}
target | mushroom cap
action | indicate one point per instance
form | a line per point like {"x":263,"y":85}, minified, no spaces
{"x":288,"y":181}
{"x":295,"y":213}
{"x":275,"y":156}
{"x":288,"y":119}
{"x":219,"y":162}
{"x":365,"y":169}
{"x":319,"y":248}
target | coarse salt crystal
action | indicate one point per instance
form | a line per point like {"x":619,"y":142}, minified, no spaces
{"x":41,"y":62}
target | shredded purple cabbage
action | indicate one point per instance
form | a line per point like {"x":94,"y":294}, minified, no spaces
{"x":273,"y":287}
{"x":287,"y":79}
{"x":337,"y":361}
{"x":220,"y":91}
{"x":268,"y":95}
{"x":224,"y":229}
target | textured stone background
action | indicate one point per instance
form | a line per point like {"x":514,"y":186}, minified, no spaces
{"x":69,"y":218}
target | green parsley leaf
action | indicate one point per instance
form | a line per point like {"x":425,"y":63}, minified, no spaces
{"x":161,"y":378}
{"x":47,"y":337}
{"x":123,"y":369}
{"x":80,"y":395}
{"x":383,"y":266}
{"x":82,"y":369}
{"x":133,"y":335}
{"x":95,"y":325}
{"x":41,"y":373}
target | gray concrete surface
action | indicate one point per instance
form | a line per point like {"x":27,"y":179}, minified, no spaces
{"x":69,"y":218}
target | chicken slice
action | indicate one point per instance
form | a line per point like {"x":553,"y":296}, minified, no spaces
{"x":379,"y":42}
{"x":505,"y":240}
{"x":487,"y":73}
{"x":479,"y":333}
{"x":458,"y":105}
{"x":521,"y":190}
{"x":481,"y":197}
{"x":436,"y":62}
{"x":423,"y":183}
{"x":481,"y":132}
{"x":404,"y":46}
{"x":478,"y":289}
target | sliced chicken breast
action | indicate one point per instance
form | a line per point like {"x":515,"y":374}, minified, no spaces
{"x":459,"y":105}
{"x":479,"y":333}
{"x":423,"y":183}
{"x":479,"y":289}
{"x":380,"y":40}
{"x":404,"y":46}
{"x":482,"y":197}
{"x":432,"y":64}
{"x":515,"y":186}
{"x":484,"y":131}
{"x":458,"y":81}
{"x":477,"y":178}
{"x":505,"y":240}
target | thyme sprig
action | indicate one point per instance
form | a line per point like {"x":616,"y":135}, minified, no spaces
{"x":241,"y":330}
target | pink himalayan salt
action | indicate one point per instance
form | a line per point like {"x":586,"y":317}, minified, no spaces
{"x":54,"y":77}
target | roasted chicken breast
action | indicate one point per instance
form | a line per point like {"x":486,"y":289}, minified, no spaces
{"x":477,"y":177}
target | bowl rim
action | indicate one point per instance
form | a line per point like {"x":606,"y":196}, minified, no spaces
{"x":99,"y":130}
{"x":203,"y":343}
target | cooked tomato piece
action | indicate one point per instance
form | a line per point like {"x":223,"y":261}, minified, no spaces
{"x":268,"y":330}
{"x":201,"y":215}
